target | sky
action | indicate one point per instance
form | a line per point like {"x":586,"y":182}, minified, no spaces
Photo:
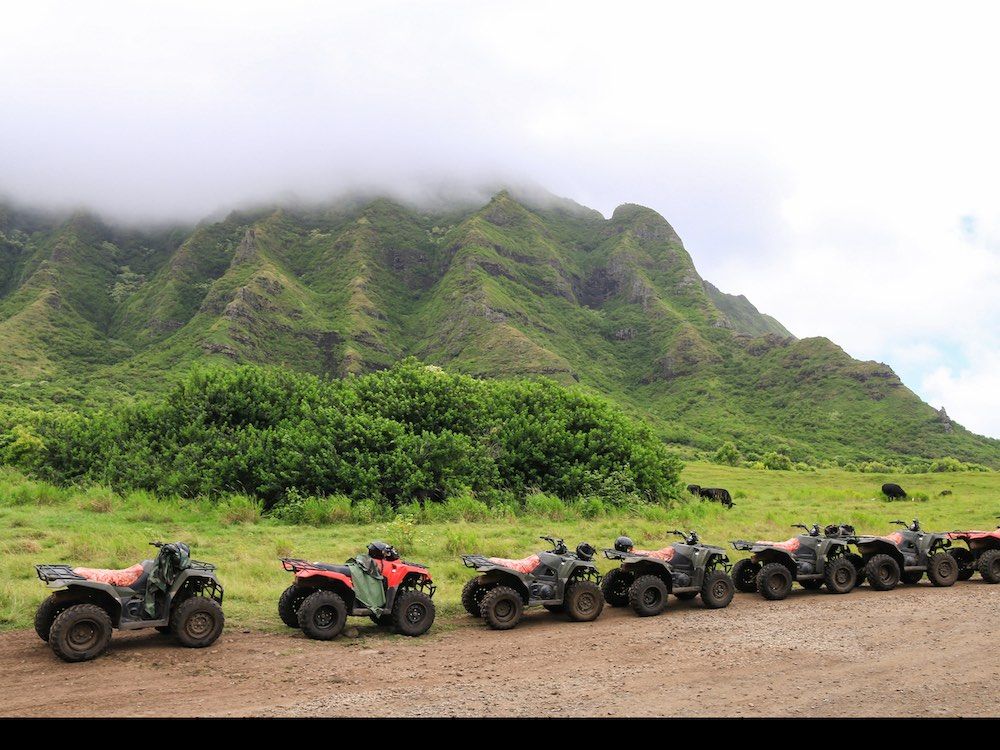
{"x":838,"y":165}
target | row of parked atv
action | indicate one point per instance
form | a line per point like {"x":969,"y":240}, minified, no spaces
{"x":182,"y":597}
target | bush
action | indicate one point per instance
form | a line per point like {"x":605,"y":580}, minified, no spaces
{"x":392,"y":437}
{"x":545,"y":506}
{"x":728,"y":454}
{"x":591,"y":507}
{"x":239,"y":509}
{"x":777,"y":461}
{"x":463,"y":507}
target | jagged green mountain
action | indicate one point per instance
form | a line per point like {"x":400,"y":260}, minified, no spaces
{"x":92,"y":312}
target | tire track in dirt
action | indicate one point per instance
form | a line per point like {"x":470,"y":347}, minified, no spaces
{"x":915,"y":651}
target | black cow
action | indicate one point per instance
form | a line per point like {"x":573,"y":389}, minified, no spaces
{"x":718,"y":495}
{"x":694,"y":489}
{"x":893,"y":491}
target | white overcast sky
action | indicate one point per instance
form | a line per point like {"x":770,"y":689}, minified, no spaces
{"x":839,"y":165}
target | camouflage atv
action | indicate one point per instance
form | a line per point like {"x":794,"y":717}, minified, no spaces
{"x":906,"y":555}
{"x":685,"y":569}
{"x":982,"y":553}
{"x":173,"y":593}
{"x":558,"y":580}
{"x":813,"y":559}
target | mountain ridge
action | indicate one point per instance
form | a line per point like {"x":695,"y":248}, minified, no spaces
{"x":91,"y":311}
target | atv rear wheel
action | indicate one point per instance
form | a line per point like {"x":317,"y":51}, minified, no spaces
{"x":615,"y":587}
{"x":648,"y":595}
{"x":502,"y":608}
{"x":745,"y":575}
{"x":197,"y":622}
{"x":323,"y":615}
{"x":942,"y":569}
{"x":472,"y":596}
{"x":413,"y":613}
{"x":718,"y":590}
{"x":966,"y":563}
{"x":840,"y":575}
{"x":46,"y":614}
{"x":882,"y":572}
{"x":80,"y":632}
{"x":584,"y":601}
{"x":911,"y":577}
{"x":774,"y":581}
{"x":989,"y":566}
{"x":289,"y":602}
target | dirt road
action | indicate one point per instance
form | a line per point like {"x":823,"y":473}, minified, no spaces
{"x":916,"y":651}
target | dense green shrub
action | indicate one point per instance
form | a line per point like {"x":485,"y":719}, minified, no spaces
{"x":411,"y":433}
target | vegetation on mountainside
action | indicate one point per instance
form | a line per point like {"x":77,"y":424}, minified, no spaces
{"x":411,"y":433}
{"x":91,"y":315}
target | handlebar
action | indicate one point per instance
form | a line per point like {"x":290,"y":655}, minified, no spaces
{"x":157,"y":544}
{"x":558,"y":545}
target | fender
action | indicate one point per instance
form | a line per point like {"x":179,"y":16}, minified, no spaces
{"x":767,"y":555}
{"x":876,"y":545}
{"x":498,"y":574}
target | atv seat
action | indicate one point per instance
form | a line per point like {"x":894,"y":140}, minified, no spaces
{"x":342,"y":569}
{"x":789,"y":545}
{"x":134,"y":577}
{"x":665,"y":554}
{"x":526,"y":565}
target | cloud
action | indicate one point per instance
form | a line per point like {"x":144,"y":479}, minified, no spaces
{"x":836,"y":166}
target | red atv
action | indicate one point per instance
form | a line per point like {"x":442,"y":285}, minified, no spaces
{"x":983,"y":554}
{"x":378,"y":585}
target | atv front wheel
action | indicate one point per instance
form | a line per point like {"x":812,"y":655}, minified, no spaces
{"x":80,"y":632}
{"x":989,"y":566}
{"x":648,"y":595}
{"x":322,"y":615}
{"x":46,"y":614}
{"x":502,"y":608}
{"x":472,"y":596}
{"x":197,"y":622}
{"x":911,"y":577}
{"x":745,"y":575}
{"x":840,"y":576}
{"x":718,"y":590}
{"x":882,"y":572}
{"x":615,"y":587}
{"x":584,"y":601}
{"x":942,"y":569}
{"x":413,"y":613}
{"x":289,"y":602}
{"x":774,"y":581}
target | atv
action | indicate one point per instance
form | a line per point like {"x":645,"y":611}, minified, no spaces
{"x":379,"y":585}
{"x":685,"y":569}
{"x":906,"y":555}
{"x":559,"y":580}
{"x":173,"y":593}
{"x":982,"y":553}
{"x":812,"y":559}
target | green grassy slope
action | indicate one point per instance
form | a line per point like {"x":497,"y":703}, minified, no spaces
{"x":92,"y":313}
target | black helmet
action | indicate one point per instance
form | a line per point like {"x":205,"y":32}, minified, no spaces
{"x":382,"y":551}
{"x":585,"y":551}
{"x":623,"y":544}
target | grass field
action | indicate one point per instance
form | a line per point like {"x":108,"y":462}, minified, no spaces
{"x":97,"y":528}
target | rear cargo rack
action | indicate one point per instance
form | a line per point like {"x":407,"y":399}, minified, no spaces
{"x":294,"y":564}
{"x":742,"y":544}
{"x":49,"y":573}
